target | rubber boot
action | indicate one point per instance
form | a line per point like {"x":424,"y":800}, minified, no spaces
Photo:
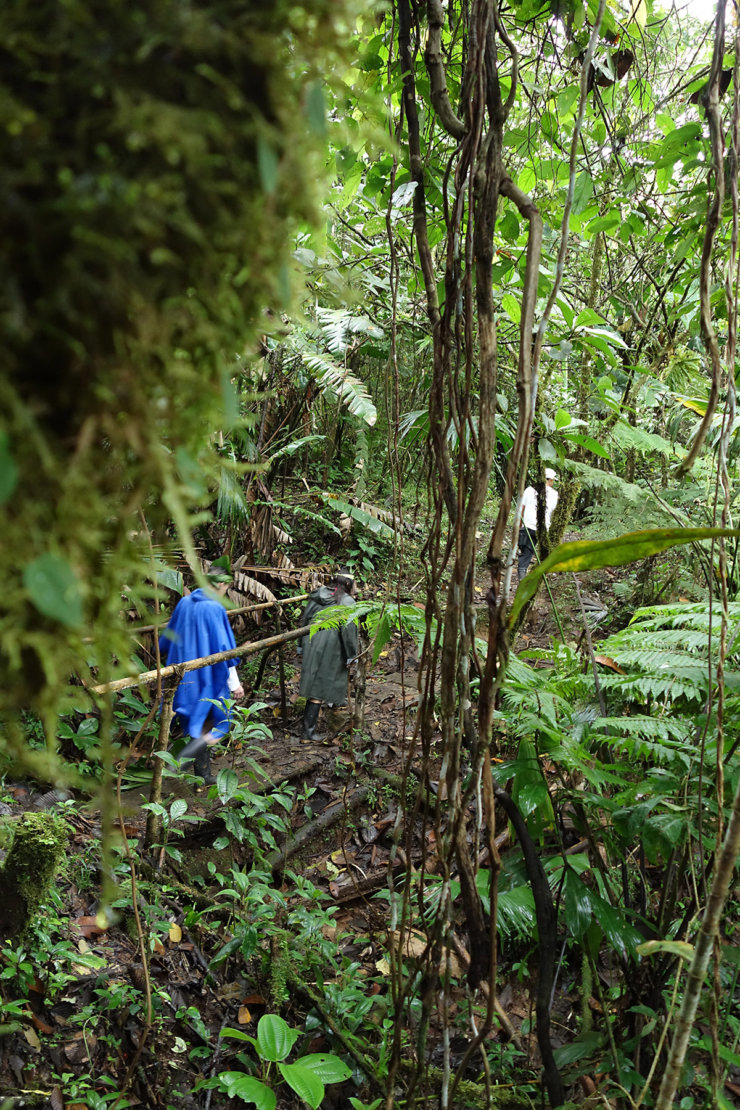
{"x":202,"y":766}
{"x":310,"y":719}
{"x":192,"y":749}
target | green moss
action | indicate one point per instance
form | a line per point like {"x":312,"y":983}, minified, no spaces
{"x":472,"y":1096}
{"x":38,"y":845}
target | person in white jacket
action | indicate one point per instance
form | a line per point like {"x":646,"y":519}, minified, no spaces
{"x":528,"y":519}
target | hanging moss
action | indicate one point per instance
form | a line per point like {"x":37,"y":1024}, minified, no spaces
{"x":38,"y":845}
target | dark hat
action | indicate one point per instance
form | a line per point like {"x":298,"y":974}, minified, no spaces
{"x":220,"y":570}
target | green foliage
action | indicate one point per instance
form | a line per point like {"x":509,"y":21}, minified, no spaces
{"x":307,"y":1076}
{"x":593,"y":554}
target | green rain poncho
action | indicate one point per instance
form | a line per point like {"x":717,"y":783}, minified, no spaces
{"x":327,"y":652}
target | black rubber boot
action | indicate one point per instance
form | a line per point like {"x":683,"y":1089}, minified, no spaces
{"x":202,"y":766}
{"x":310,"y":719}
{"x":192,"y":749}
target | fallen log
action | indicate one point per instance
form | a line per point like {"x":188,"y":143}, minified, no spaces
{"x":349,"y":888}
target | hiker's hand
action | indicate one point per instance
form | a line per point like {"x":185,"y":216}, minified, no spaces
{"x":238,"y":693}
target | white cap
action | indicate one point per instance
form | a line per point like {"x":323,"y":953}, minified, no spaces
{"x":550,"y":473}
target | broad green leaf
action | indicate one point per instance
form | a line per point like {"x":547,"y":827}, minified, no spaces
{"x":583,"y":1045}
{"x":227,"y":1030}
{"x":577,"y":904}
{"x":675,"y":947}
{"x":171,"y":579}
{"x":562,"y":419}
{"x":617,"y":552}
{"x":8,"y":470}
{"x":639,"y":13}
{"x":304,"y":1082}
{"x":588,"y":318}
{"x":590,"y":444}
{"x":547,"y":451}
{"x":382,"y":635}
{"x":527,"y":179}
{"x":55,"y":589}
{"x":694,"y":404}
{"x":609,"y":336}
{"x":509,"y":227}
{"x":512,"y":307}
{"x":227,"y":783}
{"x":725,"y":1053}
{"x":330,"y":1069}
{"x":583,"y":192}
{"x":604,"y":223}
{"x":238,"y":1085}
{"x":275,"y":1038}
{"x":566,"y":309}
{"x":567,"y":100}
{"x":529,"y":789}
{"x":178,"y":808}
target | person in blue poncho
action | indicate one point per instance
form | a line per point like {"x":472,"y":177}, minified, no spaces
{"x":199,"y":626}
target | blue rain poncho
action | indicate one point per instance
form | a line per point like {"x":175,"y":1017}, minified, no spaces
{"x":199,"y":627}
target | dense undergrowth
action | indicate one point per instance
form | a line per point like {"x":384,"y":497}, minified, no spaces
{"x":222,"y":977}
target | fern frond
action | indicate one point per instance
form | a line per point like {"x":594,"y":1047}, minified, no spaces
{"x":592,"y":478}
{"x":641,"y":724}
{"x":666,"y":689}
{"x":633,"y":438}
{"x":370,"y":520}
{"x":338,"y":381}
{"x":339,"y":327}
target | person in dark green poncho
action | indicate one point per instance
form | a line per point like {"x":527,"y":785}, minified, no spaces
{"x":327,"y":653}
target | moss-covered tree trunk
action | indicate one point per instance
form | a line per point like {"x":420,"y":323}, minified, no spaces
{"x":38,"y":845}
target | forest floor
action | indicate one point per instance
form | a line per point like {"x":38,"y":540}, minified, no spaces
{"x":82,"y":1034}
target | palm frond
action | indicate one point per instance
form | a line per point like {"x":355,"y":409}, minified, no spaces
{"x":232,"y":506}
{"x":246,"y":589}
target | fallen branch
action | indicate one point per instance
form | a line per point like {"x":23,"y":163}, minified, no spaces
{"x":237,"y":611}
{"x":277,"y":859}
{"x":146,"y":678}
{"x":351,"y":888}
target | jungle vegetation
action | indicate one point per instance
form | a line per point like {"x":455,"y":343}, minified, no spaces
{"x":330,"y":283}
